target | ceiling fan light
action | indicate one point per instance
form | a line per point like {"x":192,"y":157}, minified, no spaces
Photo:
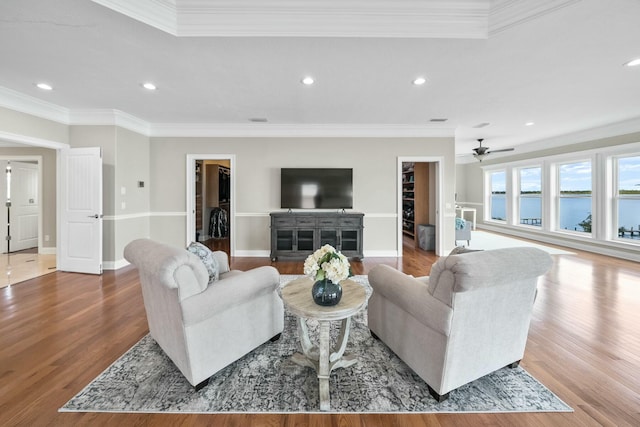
{"x":44,"y":86}
{"x":480,"y":156}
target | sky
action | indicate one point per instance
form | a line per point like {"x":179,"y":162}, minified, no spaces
{"x":629,"y":173}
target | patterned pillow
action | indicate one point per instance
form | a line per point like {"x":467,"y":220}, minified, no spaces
{"x":209,"y":261}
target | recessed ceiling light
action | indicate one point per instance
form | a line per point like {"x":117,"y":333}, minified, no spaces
{"x":419,"y":81}
{"x":308,"y":80}
{"x":481,"y":125}
{"x":149,"y":86}
{"x":529,"y":124}
{"x":44,"y":86}
{"x":633,"y":63}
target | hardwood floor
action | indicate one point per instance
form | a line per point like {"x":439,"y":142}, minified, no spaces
{"x":59,"y":331}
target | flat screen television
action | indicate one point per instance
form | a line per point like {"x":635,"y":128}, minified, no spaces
{"x":323,"y":188}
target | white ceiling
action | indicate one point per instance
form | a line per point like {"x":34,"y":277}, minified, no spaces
{"x":220,"y":63}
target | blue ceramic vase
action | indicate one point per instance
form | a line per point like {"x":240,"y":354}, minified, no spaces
{"x":326,"y":293}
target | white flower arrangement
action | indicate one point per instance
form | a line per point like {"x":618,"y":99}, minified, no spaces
{"x":327,"y":263}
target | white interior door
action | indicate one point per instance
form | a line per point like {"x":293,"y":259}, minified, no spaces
{"x":80,"y":210}
{"x":25,"y":206}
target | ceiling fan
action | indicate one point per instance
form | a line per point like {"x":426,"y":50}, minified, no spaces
{"x":481,"y":152}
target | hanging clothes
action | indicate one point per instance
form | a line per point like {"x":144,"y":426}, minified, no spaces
{"x":218,"y":223}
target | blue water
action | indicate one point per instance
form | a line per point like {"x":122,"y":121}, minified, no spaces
{"x":572,"y":211}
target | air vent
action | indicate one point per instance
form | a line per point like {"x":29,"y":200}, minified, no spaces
{"x":438,"y":120}
{"x":481,"y":125}
{"x":258,"y":120}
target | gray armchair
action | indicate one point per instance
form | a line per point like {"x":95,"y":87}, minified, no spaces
{"x":469,"y":318}
{"x":204,"y":327}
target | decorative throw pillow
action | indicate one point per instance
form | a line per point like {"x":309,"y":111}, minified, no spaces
{"x":462,"y":250}
{"x":209,"y":261}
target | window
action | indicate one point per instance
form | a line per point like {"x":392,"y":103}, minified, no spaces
{"x":574,"y":204}
{"x":627,"y":197}
{"x":498,"y":203}
{"x":530,"y":196}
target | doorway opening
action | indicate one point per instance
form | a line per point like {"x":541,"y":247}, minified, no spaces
{"x":210,"y":201}
{"x":419,"y":204}
{"x":21,"y":216}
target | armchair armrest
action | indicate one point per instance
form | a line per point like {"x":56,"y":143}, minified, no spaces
{"x":223,"y":261}
{"x":229,"y":292}
{"x":413,"y":296}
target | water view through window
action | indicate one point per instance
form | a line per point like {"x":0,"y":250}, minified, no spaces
{"x":575,"y":196}
{"x":531,"y":196}
{"x":628,"y":197}
{"x":572,"y":196}
{"x":498,"y":196}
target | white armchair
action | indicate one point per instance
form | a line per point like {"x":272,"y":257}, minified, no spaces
{"x":204,"y":327}
{"x":469,"y":318}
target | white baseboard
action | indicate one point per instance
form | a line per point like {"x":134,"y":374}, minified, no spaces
{"x":251,"y":253}
{"x":115,"y":265}
{"x":47,"y":251}
{"x":381,"y":254}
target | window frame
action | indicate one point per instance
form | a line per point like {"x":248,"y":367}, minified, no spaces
{"x":518,"y":195}
{"x":488,"y":195}
{"x":616,"y":197}
{"x":558,"y":196}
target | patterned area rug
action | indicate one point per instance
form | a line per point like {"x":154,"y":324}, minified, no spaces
{"x":266,"y":380}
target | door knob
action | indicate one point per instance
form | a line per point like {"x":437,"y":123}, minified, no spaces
{"x":95,"y":216}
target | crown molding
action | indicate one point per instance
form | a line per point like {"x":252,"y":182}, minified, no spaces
{"x":311,"y":18}
{"x":30,"y":105}
{"x":161,"y":14}
{"x":30,"y":140}
{"x":109,"y":117}
{"x":298,"y":130}
{"x":506,"y":14}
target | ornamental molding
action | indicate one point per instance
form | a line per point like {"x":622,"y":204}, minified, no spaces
{"x":467,"y":19}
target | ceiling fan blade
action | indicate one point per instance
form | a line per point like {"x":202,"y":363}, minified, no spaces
{"x":498,"y":151}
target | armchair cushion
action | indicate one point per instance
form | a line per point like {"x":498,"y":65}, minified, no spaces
{"x":232,"y":291}
{"x":412,"y":294}
{"x":207,"y":258}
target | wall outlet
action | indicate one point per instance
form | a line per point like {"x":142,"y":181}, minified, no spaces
{"x":123,"y":190}
{"x":46,"y":237}
{"x":123,"y":205}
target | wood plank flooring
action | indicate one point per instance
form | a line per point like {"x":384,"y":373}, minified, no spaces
{"x":60,"y":331}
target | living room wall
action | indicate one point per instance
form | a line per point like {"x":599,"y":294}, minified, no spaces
{"x":125,"y":161}
{"x":257,"y":187}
